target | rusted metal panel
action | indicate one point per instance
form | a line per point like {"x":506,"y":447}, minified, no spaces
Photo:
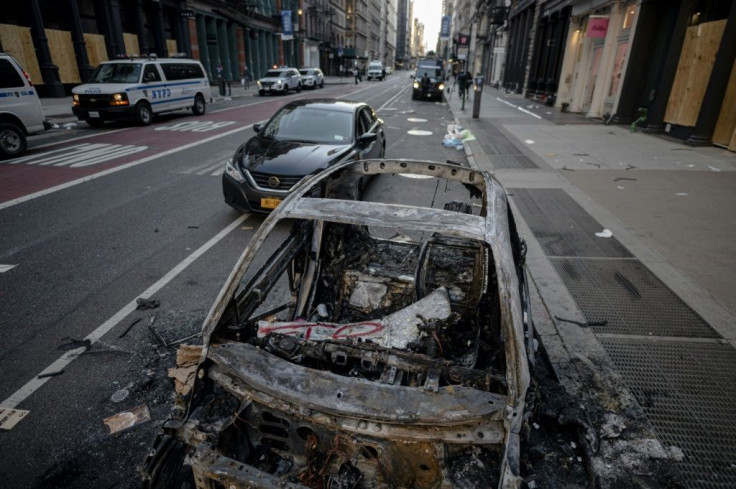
{"x":351,"y":396}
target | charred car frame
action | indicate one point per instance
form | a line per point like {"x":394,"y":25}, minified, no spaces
{"x":347,"y":359}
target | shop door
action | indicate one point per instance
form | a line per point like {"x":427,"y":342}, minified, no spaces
{"x":592,"y":76}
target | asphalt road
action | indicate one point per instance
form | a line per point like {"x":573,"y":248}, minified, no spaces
{"x":91,"y":220}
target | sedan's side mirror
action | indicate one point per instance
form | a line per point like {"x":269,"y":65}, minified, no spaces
{"x":257,"y":127}
{"x":367,"y":138}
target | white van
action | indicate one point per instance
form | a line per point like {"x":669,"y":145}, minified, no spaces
{"x":375,"y":70}
{"x":138,"y":88}
{"x":20,"y":110}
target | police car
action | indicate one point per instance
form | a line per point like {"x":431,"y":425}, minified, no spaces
{"x":136,"y":89}
{"x":20,"y":109}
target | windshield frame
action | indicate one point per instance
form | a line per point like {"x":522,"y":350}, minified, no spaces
{"x":133,"y":75}
{"x":275,"y":73}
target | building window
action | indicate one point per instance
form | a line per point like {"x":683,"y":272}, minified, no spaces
{"x":629,"y":16}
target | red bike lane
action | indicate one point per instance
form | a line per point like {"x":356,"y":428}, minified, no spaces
{"x":64,"y":163}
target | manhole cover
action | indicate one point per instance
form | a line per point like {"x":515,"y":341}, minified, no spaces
{"x":419,"y":132}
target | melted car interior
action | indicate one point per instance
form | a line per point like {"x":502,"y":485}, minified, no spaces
{"x":356,"y":354}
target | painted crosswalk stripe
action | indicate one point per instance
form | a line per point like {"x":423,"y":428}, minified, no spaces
{"x":81,"y":155}
{"x":5,"y":268}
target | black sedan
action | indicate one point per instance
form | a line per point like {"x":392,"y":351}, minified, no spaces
{"x":302,"y":138}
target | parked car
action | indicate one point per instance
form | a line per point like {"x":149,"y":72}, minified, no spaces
{"x":137,"y":88}
{"x":362,"y":344}
{"x":21,"y":114}
{"x":312,"y":78}
{"x":303,"y":137}
{"x":375,"y":70}
{"x":280,"y":80}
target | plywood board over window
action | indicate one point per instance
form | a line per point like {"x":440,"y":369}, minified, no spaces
{"x":725,"y":133}
{"x":96,"y":49}
{"x":693,"y":72}
{"x":171,"y":46}
{"x":131,"y":44}
{"x":62,"y":53}
{"x":17,"y":42}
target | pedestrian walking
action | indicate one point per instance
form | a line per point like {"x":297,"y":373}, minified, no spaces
{"x":245,"y":81}
{"x":356,"y":72}
{"x":460,"y":82}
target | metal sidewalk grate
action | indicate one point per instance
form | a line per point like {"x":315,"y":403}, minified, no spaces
{"x":626,"y":295}
{"x":688,"y":392}
{"x":562,"y":226}
{"x":500,"y":150}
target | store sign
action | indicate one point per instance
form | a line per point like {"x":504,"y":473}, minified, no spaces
{"x":463,"y":39}
{"x":445,"y":30}
{"x":287,"y":26}
{"x":597,"y":26}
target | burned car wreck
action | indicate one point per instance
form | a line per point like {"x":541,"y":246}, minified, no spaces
{"x":362,"y":344}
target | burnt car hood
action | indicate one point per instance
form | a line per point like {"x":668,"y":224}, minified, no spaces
{"x":290,"y":158}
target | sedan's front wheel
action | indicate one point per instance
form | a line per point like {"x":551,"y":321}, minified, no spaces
{"x":299,"y":88}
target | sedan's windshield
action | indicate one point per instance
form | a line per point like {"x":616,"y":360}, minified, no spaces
{"x":116,"y":73}
{"x":311,"y":125}
{"x":306,"y":72}
{"x":274,"y":74}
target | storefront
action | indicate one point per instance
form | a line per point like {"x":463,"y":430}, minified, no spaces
{"x":599,"y":37}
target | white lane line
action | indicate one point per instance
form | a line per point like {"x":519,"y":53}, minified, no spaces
{"x":391,"y":100}
{"x":507,"y":103}
{"x":109,"y":171}
{"x":530,"y":113}
{"x":6,"y":268}
{"x":34,"y":384}
{"x":219,"y":172}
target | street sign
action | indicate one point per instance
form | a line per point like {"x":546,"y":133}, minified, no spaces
{"x":287,"y":26}
{"x":445,"y":30}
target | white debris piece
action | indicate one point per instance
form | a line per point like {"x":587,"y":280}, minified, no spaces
{"x":368,"y":295}
{"x":396,"y":330}
{"x":606,"y":233}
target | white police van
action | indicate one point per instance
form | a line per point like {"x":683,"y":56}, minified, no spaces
{"x":138,"y":88}
{"x":20,"y":109}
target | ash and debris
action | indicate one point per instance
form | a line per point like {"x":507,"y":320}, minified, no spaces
{"x":596,"y":437}
{"x":93,"y":458}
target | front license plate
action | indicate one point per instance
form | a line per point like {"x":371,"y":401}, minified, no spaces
{"x":94,"y":114}
{"x":270,"y":203}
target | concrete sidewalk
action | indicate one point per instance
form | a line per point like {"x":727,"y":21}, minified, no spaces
{"x":59,"y":110}
{"x":668,"y":285}
{"x":672,"y":203}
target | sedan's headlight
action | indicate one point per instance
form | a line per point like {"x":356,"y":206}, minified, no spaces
{"x":231,"y":170}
